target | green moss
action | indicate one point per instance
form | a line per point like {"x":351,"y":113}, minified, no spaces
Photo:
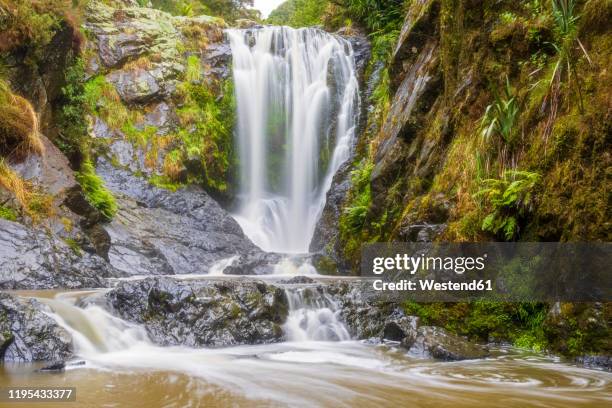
{"x":206,"y":133}
{"x":74,"y":246}
{"x":193,"y":73}
{"x":8,"y":213}
{"x":101,"y":98}
{"x":95,"y":191}
{"x":518,"y":323}
{"x":163,"y":181}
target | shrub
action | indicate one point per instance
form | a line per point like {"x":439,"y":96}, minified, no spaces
{"x":95,"y":191}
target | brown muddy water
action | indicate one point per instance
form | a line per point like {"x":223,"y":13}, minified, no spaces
{"x":124,"y":369}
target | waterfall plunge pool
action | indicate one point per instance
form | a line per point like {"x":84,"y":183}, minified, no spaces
{"x":123,"y":369}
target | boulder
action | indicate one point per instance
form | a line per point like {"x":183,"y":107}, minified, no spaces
{"x":202,"y":313}
{"x":438,"y":343}
{"x":27,"y":333}
{"x":401,"y":328}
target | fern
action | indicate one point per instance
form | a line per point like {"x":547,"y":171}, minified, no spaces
{"x":511,"y":198}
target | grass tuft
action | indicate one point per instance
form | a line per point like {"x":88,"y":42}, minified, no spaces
{"x":95,"y":191}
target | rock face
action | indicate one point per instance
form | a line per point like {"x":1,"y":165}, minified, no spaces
{"x":35,"y":259}
{"x":135,"y":86}
{"x":144,"y":54}
{"x":184,"y":232}
{"x":203,"y":313}
{"x":51,"y":170}
{"x":28,"y":334}
{"x":326,"y":231}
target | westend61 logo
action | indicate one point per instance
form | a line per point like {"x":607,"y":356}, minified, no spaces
{"x":500,"y":271}
{"x":412,"y":264}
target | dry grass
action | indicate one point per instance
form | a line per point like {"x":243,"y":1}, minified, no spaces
{"x":13,"y":183}
{"x":172,"y":165}
{"x":197,"y":36}
{"x":34,"y":204}
{"x":19,"y":130}
{"x":142,"y":62}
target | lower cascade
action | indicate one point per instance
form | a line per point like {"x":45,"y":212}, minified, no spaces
{"x":297,"y":104}
{"x":317,"y":356}
{"x":313,"y":316}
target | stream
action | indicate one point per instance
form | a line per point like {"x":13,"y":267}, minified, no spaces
{"x":318,"y":366}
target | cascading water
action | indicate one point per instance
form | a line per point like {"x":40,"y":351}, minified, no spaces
{"x":120,"y":359}
{"x":297,"y":104}
{"x":313,"y":316}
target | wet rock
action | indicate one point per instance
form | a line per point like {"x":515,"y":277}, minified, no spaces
{"x":35,"y":259}
{"x":254,"y":263}
{"x":423,"y":232}
{"x":218,"y":59}
{"x":28,"y":334}
{"x":437,"y":343}
{"x":417,"y":28}
{"x":361,"y":47}
{"x":136,"y":86}
{"x":595,"y":361}
{"x":54,"y":367}
{"x":185,"y":232}
{"x":101,"y":129}
{"x":297,"y":280}
{"x":401,"y":328}
{"x":203,"y":313}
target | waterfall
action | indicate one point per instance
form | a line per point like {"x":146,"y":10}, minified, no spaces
{"x":297,"y":99}
{"x":313,"y":315}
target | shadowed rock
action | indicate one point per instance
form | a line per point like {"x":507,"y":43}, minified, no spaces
{"x":203,"y":313}
{"x":28,"y":334}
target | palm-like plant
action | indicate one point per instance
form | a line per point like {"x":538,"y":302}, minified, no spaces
{"x":500,"y":117}
{"x":566,"y":19}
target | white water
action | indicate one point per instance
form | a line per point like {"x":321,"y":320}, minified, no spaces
{"x":309,"y":373}
{"x":313,"y":316}
{"x":297,"y":104}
